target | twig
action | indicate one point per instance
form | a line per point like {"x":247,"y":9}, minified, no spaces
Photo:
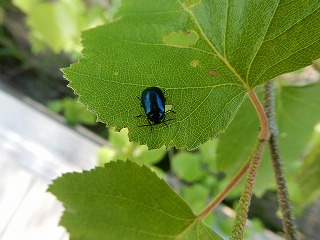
{"x":245,"y":199}
{"x":288,"y":222}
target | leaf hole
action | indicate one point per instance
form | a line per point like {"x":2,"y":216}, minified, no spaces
{"x":181,"y":39}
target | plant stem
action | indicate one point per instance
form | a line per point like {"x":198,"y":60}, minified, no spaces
{"x":262,"y":136}
{"x":264,"y":129}
{"x":234,"y":181}
{"x":288,"y":223}
{"x":245,"y":199}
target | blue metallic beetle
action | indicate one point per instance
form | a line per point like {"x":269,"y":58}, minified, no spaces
{"x":153,"y":103}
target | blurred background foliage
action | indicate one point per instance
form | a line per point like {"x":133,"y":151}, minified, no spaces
{"x":58,"y":24}
{"x":39,"y":37}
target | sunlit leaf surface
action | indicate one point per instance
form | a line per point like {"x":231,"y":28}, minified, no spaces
{"x":203,"y":54}
{"x":125,"y":201}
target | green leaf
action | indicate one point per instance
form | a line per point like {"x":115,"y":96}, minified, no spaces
{"x":208,"y":152}
{"x":187,"y":166}
{"x":235,"y":146}
{"x":60,"y":30}
{"x":55,"y":105}
{"x":297,"y":112}
{"x":106,"y":154}
{"x":204,"y":54}
{"x":236,"y":143}
{"x":119,"y":139}
{"x":59,"y":23}
{"x":125,"y":201}
{"x":307,"y":177}
{"x":142,"y":155}
{"x":26,"y":5}
{"x":74,"y":112}
{"x":122,"y":149}
{"x":196,"y":196}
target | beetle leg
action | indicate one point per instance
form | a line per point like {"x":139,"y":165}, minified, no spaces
{"x":140,"y":101}
{"x":150,"y":124}
{"x":164,"y":121}
{"x":170,"y":110}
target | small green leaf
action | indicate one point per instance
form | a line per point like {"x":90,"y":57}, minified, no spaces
{"x":26,"y":5}
{"x":119,"y":139}
{"x":76,"y":112}
{"x":187,"y":166}
{"x":122,"y":149}
{"x":307,"y":177}
{"x":105,"y":155}
{"x":55,"y":105}
{"x":142,"y":155}
{"x":61,"y":28}
{"x":208,"y":152}
{"x":125,"y":201}
{"x":196,"y":196}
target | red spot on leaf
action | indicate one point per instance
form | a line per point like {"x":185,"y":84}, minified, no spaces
{"x":213,"y":72}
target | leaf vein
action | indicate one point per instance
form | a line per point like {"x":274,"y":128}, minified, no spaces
{"x":213,"y":121}
{"x":293,"y":53}
{"x":133,"y":201}
{"x":293,"y":25}
{"x":225,"y":29}
{"x":158,"y":44}
{"x":261,"y":43}
{"x":223,"y":59}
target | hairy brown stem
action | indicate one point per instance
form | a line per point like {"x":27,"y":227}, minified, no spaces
{"x":256,"y":154}
{"x":264,"y":129}
{"x":262,"y":136}
{"x":288,"y":223}
{"x":245,"y":199}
